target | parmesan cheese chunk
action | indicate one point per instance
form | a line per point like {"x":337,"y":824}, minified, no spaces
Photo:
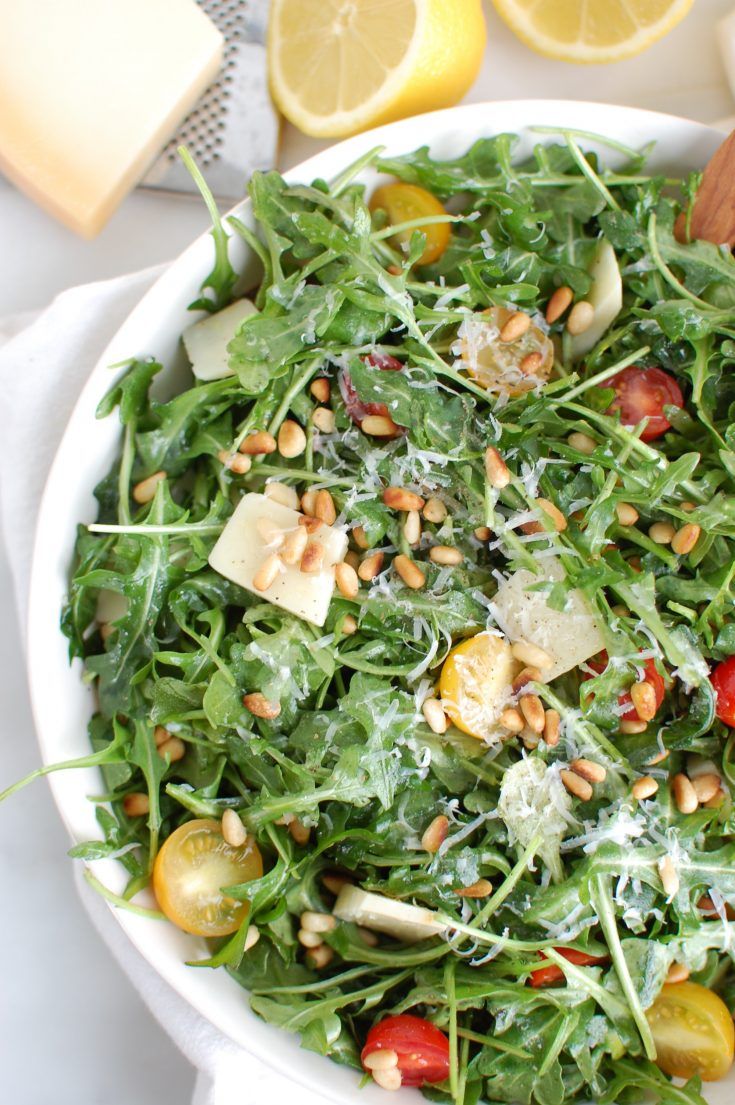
{"x":241,"y":551}
{"x":569,"y":636}
{"x":400,"y":919}
{"x":206,"y":341}
{"x":605,"y":295}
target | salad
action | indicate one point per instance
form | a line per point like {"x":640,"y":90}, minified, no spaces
{"x":410,"y":620}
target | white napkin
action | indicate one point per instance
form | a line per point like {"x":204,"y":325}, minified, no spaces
{"x":45,"y":358}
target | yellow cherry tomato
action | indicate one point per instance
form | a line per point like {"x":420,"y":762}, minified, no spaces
{"x":475,"y":684}
{"x":693,"y":1032}
{"x":193,"y":865}
{"x":504,"y":367}
{"x":403,"y":203}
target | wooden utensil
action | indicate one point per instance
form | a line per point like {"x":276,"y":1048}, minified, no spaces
{"x":713,"y":215}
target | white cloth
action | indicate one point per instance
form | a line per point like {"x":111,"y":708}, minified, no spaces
{"x":45,"y":358}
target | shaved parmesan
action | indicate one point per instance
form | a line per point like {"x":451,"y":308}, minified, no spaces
{"x":206,"y":341}
{"x":400,"y":919}
{"x":605,"y":295}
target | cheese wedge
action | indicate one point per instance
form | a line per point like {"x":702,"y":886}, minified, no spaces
{"x":206,"y":341}
{"x":400,"y":919}
{"x":605,"y":295}
{"x":242,"y":549}
{"x":90,"y":90}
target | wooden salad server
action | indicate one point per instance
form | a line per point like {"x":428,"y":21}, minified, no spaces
{"x":713,"y":215}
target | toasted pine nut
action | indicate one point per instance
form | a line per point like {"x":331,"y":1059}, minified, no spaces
{"x":360,"y":537}
{"x":173,"y":749}
{"x":531,"y":363}
{"x":668,"y":875}
{"x":715,"y":801}
{"x":412,"y":527}
{"x":532,"y":709}
{"x":352,"y":558}
{"x":258,"y":443}
{"x":555,"y":516}
{"x":627,"y":514}
{"x":349,"y":625}
{"x":259,"y":706}
{"x":643,"y":697}
{"x":678,"y":972}
{"x":515,"y":327}
{"x":551,"y":728}
{"x":576,"y":785}
{"x":346,"y":579}
{"x":398,"y":498}
{"x":483,"y":888}
{"x":136,"y":804}
{"x":686,"y":538}
{"x":323,"y":419}
{"x":309,"y":939}
{"x":530,"y":739}
{"x":581,"y":317}
{"x":620,"y":611}
{"x":267,"y":573}
{"x":310,"y":525}
{"x":589,"y":770}
{"x":293,"y":546}
{"x":313,"y":557}
{"x":645,"y":787}
{"x":634,"y":725}
{"x":238,"y":463}
{"x":661,"y":532}
{"x":658,"y":758}
{"x":300,"y":833}
{"x":145,"y":491}
{"x":688,"y":507}
{"x":291,"y":439}
{"x":526,"y":675}
{"x":531,"y":655}
{"x":312,"y":921}
{"x":435,"y":834}
{"x":483,"y":533}
{"x":583,"y":443}
{"x":368,"y":937}
{"x":409,"y":572}
{"x":388,"y":1079}
{"x":512,"y":720}
{"x":160,"y":735}
{"x":320,"y":957}
{"x":382,"y":1059}
{"x":252,"y":937}
{"x":446,"y":555}
{"x":269,"y":533}
{"x":335,"y":883}
{"x":320,"y":389}
{"x":233,"y":830}
{"x":370,"y":566}
{"x":308,"y":503}
{"x":435,"y":511}
{"x":685,"y":795}
{"x":496,"y":470}
{"x":558,"y":303}
{"x":324,"y":508}
{"x":434,"y":715}
{"x":379,"y":425}
{"x":706,"y":787}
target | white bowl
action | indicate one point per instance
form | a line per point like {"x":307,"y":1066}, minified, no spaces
{"x":61,"y":702}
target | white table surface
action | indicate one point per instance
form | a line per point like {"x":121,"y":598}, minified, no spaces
{"x":72,"y":1030}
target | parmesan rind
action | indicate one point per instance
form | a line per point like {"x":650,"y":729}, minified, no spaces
{"x":206,"y":341}
{"x":400,"y":919}
{"x":605,"y":295}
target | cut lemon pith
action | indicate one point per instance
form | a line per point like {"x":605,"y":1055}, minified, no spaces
{"x":591,"y":31}
{"x":340,"y":66}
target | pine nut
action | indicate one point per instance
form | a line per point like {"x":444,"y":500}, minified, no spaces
{"x":320,"y":389}
{"x":551,"y":728}
{"x":309,"y":939}
{"x":483,"y":888}
{"x":252,"y":937}
{"x":269,"y":533}
{"x":688,"y":507}
{"x":368,"y":937}
{"x":335,"y":883}
{"x":643,"y":697}
{"x":409,"y":572}
{"x":446,"y":555}
{"x":531,"y":363}
{"x":658,"y":758}
{"x":661,"y":532}
{"x":136,"y":804}
{"x":233,"y":830}
{"x":353,"y":559}
{"x":512,"y":720}
{"x":360,"y":537}
{"x":145,"y":491}
{"x":293,"y":546}
{"x":581,"y":317}
{"x":324,"y":508}
{"x":311,"y":525}
{"x":259,"y":706}
{"x":347,"y":581}
{"x":627,"y":514}
{"x":531,"y":655}
{"x":532,"y":709}
{"x":530,"y":739}
{"x":645,"y":787}
{"x":583,"y":443}
{"x":668,"y":875}
{"x":172,"y":750}
{"x":496,"y":470}
{"x":323,"y":419}
{"x":349,"y":625}
{"x":370,"y":566}
{"x":313,"y":557}
{"x":620,"y":611}
{"x":291,"y":439}
{"x":715,"y":801}
{"x":633,"y":726}
{"x":576,"y":785}
{"x":686,"y":538}
{"x":515,"y":327}
{"x":106,"y":630}
{"x":300,"y":833}
{"x":552,"y":512}
{"x":483,"y":533}
{"x":589,"y":770}
{"x":412,"y":527}
{"x":258,"y":443}
{"x":435,"y":511}
{"x":312,"y":921}
{"x":434,"y":715}
{"x":160,"y":735}
{"x":435,"y":835}
{"x":267,"y":573}
{"x":382,"y":1059}
{"x":388,"y":1079}
{"x":678,"y":972}
{"x":237,"y":462}
{"x":706,"y":787}
{"x":685,"y":795}
{"x":558,"y":303}
{"x":379,"y":425}
{"x":398,"y":498}
{"x":526,"y":675}
{"x":320,"y":957}
{"x":308,"y":503}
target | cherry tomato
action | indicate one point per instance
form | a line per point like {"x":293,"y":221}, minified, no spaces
{"x":474,"y":683}
{"x":652,"y":676}
{"x":501,"y":367}
{"x":422,"y":1048}
{"x":403,"y":203}
{"x":354,"y":406}
{"x":644,"y":392}
{"x":547,"y":976}
{"x":723,"y":680}
{"x":191,"y":868}
{"x":693,"y":1032}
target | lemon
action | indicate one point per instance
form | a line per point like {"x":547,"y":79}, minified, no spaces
{"x":588,"y":31}
{"x":340,"y":66}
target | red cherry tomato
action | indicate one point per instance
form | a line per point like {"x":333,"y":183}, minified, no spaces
{"x":600,"y":662}
{"x":547,"y":976}
{"x":354,"y":406}
{"x":723,"y":680}
{"x":644,"y":392}
{"x":422,"y":1048}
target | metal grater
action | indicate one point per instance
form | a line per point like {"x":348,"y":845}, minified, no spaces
{"x":233,"y":130}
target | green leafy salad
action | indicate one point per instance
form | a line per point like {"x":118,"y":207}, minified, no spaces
{"x":410,"y":622}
